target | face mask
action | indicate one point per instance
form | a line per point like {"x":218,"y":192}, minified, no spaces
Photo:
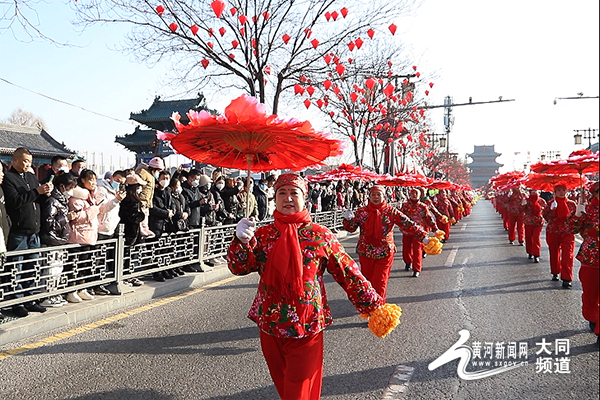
{"x":63,"y":169}
{"x":204,"y":189}
{"x":68,"y":193}
{"x":156,"y":174}
{"x":263,"y":187}
{"x":220,"y":186}
{"x":164,"y":183}
{"x":115,"y":185}
{"x":178,"y":190}
{"x":195,"y":183}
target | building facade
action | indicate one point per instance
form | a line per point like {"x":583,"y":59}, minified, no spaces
{"x":484,"y":165}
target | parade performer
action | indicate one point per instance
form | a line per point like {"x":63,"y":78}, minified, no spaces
{"x":514,"y":207}
{"x":412,"y":248}
{"x":559,"y":236}
{"x":585,"y":222}
{"x":290,"y":306}
{"x":534,"y":222}
{"x":445,"y":208}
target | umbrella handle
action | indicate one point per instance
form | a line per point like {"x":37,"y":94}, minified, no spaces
{"x":249,"y":160}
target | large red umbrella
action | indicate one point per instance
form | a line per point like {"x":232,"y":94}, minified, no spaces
{"x":345,"y":172}
{"x":546,"y":182}
{"x":245,"y":137}
{"x":408,"y":179}
{"x":581,"y":162}
{"x":506,"y":178}
{"x":439,"y":184}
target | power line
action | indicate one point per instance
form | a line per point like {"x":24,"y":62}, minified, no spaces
{"x":64,"y":102}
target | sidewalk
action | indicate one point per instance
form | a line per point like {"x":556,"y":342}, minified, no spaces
{"x":15,"y":329}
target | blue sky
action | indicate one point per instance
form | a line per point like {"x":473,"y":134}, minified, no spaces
{"x":531,"y":51}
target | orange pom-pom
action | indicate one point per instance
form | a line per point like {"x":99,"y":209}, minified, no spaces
{"x":433,"y":247}
{"x":384,"y":319}
{"x":439,"y":234}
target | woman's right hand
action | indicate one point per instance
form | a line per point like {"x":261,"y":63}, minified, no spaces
{"x":245,"y":230}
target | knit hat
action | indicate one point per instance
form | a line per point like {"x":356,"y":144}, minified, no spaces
{"x":157,"y":163}
{"x":205,"y":180}
{"x":291,"y":179}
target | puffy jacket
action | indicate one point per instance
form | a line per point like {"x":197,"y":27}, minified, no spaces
{"x":84,"y":228}
{"x":159,"y":213}
{"x":199,"y":204}
{"x":55,"y":229}
{"x":22,"y":200}
{"x":131,"y":215}
{"x":108,"y":219}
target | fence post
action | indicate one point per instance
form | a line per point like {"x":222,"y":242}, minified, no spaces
{"x":119,"y":261}
{"x":201,"y":242}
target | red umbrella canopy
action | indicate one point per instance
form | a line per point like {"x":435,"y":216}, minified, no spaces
{"x":345,"y":172}
{"x":506,"y":178}
{"x":245,"y":137}
{"x":581,"y":162}
{"x":547,"y":182}
{"x":410,"y":179}
{"x":439,"y":184}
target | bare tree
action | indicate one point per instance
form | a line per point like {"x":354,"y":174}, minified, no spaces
{"x":25,"y":118}
{"x":262,"y":47}
{"x":22,"y":20}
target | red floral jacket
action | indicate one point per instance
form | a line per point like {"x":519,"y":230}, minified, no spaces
{"x":391,"y":216}
{"x":321,"y":251}
{"x":418,"y":212}
{"x":555,"y":226}
{"x":444,"y":206}
{"x":514,"y":205}
{"x":529,"y":218}
{"x":587,"y":226}
{"x":433,"y":209}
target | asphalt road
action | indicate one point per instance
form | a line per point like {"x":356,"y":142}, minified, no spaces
{"x":200,"y":345}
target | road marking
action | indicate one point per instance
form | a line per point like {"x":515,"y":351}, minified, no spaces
{"x":398,"y":383}
{"x":462,"y":228}
{"x":451,"y":257}
{"x":85,"y":328}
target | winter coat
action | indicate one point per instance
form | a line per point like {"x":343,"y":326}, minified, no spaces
{"x":4,"y":223}
{"x":22,"y":201}
{"x":177,"y":223}
{"x":84,"y":228}
{"x":162,"y":202}
{"x":55,"y":229}
{"x":261,"y":202}
{"x":148,"y":189}
{"x":131,"y":215}
{"x":200,"y":205}
{"x":108,"y":218}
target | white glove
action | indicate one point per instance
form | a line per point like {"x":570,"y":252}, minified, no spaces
{"x":524,"y":203}
{"x":425,"y":240}
{"x":553,"y":205}
{"x":245,"y":230}
{"x":580,"y":210}
{"x":348,"y":214}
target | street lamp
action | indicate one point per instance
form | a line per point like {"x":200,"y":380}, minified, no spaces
{"x":588,"y":134}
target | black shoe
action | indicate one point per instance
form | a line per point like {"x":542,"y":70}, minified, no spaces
{"x":592,"y":326}
{"x":35,"y":307}
{"x":209,"y":263}
{"x":555,"y":277}
{"x":567,"y":284}
{"x":1,"y":317}
{"x":101,"y":291}
{"x":416,"y":274}
{"x":511,"y":242}
{"x":529,"y":256}
{"x":521,"y":244}
{"x":189,"y":268}
{"x":167,"y":275}
{"x":20,"y":310}
{"x":178,"y":271}
{"x":158,"y":277}
{"x":407,"y":267}
{"x":113,"y":288}
{"x":536,"y":259}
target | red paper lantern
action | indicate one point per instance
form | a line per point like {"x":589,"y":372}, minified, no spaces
{"x":222,"y":31}
{"x":173,"y":26}
{"x":415,"y":67}
{"x":354,"y":97}
{"x":267,"y":70}
{"x":232,"y":10}
{"x":266,"y":15}
{"x":335,"y":15}
{"x":307,"y":32}
{"x":204,"y":63}
{"x":350,"y":61}
{"x":319,"y":103}
{"x":160,"y":10}
{"x":352,"y":137}
{"x":430,"y":84}
{"x":389,"y":90}
{"x":331,"y":114}
{"x":370,"y":83}
{"x":194,"y":29}
{"x":327,"y":58}
{"x":242,"y":31}
{"x":314,"y":43}
{"x":218,"y":6}
{"x":210,"y":32}
{"x":344,"y":12}
{"x":340,"y":69}
{"x":298,"y":89}
{"x":371,"y":32}
{"x":327,"y":16}
{"x":427,"y":93}
{"x":310,"y":90}
{"x":286,"y":38}
{"x":243,"y":19}
{"x":351,"y":46}
{"x":209,"y":44}
{"x":327,"y":84}
{"x":393,"y":28}
{"x":254,"y":19}
{"x":307,"y":103}
{"x":359,"y":42}
{"x":231,"y":57}
{"x":235,"y":44}
{"x":418,"y":74}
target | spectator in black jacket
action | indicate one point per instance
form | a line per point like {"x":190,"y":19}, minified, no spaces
{"x":262,"y":200}
{"x":58,"y":165}
{"x":22,"y":193}
{"x":162,"y":205}
{"x":230,"y":201}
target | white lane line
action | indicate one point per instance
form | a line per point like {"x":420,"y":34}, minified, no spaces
{"x":462,"y":228}
{"x":398,"y":383}
{"x":451,"y":257}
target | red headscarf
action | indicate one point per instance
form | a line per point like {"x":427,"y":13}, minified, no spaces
{"x":562,"y":209}
{"x":284,"y":268}
{"x":535,"y":205}
{"x":374,"y":223}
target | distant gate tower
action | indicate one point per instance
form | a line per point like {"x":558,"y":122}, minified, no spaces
{"x":484,"y":165}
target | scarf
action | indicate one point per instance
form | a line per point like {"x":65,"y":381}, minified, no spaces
{"x":535,"y":205}
{"x":284,"y":268}
{"x":562,"y":209}
{"x":374,"y":224}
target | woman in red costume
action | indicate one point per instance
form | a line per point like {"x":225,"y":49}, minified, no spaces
{"x":534,"y":222}
{"x":412,"y":248}
{"x":559,"y":236}
{"x":516,"y":229}
{"x":445,"y":208}
{"x":585,"y":222}
{"x":290,"y":306}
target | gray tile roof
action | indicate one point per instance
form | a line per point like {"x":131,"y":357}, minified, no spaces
{"x":36,"y":140}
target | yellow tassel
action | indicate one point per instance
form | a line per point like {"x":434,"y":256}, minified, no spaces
{"x":384,"y":319}
{"x":444,"y":219}
{"x":453,"y":221}
{"x":439,"y":234}
{"x":433,"y":247}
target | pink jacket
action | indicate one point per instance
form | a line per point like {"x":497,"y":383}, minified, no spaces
{"x":84,"y":228}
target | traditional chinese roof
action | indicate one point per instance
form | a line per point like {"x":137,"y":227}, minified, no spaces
{"x":158,"y":116}
{"x":35,"y":139}
{"x":140,"y":141}
{"x":484,"y":151}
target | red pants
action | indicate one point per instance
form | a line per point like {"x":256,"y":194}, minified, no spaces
{"x":377,"y":271}
{"x":515,"y":223}
{"x":562,"y":252}
{"x":590,"y":298}
{"x":533,"y":239}
{"x":445,"y":227}
{"x":412,"y":252}
{"x":296,"y":365}
{"x":504,"y":214}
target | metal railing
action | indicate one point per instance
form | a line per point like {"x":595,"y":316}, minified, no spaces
{"x":34,"y":274}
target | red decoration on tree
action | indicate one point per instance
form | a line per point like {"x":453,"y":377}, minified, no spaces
{"x":194,"y":29}
{"x":331,"y":114}
{"x":204,"y":63}
{"x":173,"y":27}
{"x":320,"y":103}
{"x":242,"y":31}
{"x":393,"y":28}
{"x":352,"y":137}
{"x":351,"y":46}
{"x":359,"y":42}
{"x":243,"y":19}
{"x":350,"y":61}
{"x":327,"y":16}
{"x":427,"y":93}
{"x":310,"y":90}
{"x":266,"y":15}
{"x":286,"y":38}
{"x":430,"y":84}
{"x":335,"y":15}
{"x":344,"y":12}
{"x":327,"y":84}
{"x":371,"y":32}
{"x":210,"y":32}
{"x":254,"y":19}
{"x":218,"y":6}
{"x":222,"y":31}
{"x":354,"y":97}
{"x":336,"y":90}
{"x":232,"y":10}
{"x":235,"y":44}
{"x":389,"y":90}
{"x":307,"y":32}
{"x":231,"y":57}
{"x":267,"y":70}
{"x":327,"y":58}
{"x":298,"y":89}
{"x":160,"y":10}
{"x":370,"y":83}
{"x":307,"y":103}
{"x":340,"y":69}
{"x":209,"y":44}
{"x":314,"y":43}
{"x":418,"y":74}
{"x":415,"y":67}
